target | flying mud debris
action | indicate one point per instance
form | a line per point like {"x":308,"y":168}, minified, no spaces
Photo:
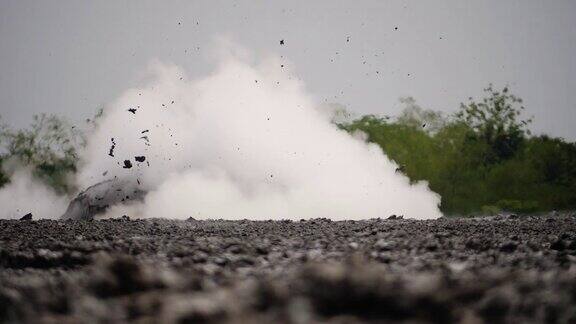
{"x":111,"y":151}
{"x":127,"y":164}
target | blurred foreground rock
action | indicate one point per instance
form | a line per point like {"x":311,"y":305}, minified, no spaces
{"x":508,"y":270}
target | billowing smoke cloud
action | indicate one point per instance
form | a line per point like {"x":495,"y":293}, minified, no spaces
{"x":24,"y":195}
{"x":244,"y":142}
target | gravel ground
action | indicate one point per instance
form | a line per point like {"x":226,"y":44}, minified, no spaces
{"x":490,"y":270}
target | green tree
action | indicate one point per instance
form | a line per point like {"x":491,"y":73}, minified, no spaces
{"x":481,"y":160}
{"x":49,"y":146}
{"x":496,"y":121}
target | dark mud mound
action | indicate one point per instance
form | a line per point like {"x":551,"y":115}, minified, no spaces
{"x":501,"y":270}
{"x":96,"y":199}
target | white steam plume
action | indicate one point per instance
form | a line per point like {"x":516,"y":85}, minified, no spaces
{"x":244,"y":142}
{"x":24,"y":195}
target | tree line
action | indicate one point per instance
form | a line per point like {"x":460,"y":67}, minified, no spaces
{"x":482,"y":159}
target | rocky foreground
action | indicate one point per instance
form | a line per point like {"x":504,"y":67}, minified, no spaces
{"x":503,"y":269}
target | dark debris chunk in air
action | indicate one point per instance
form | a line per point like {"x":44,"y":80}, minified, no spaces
{"x":140,"y":158}
{"x":127,"y":164}
{"x":26,"y":217}
{"x":111,"y":152}
{"x":281,"y":42}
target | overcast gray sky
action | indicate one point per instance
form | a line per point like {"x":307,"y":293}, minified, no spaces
{"x":70,"y":57}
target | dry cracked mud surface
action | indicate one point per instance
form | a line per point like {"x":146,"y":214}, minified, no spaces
{"x":489,"y":270}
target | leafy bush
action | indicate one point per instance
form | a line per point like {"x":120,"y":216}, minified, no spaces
{"x":49,"y":147}
{"x":518,"y":206}
{"x":482,"y":159}
{"x":490,"y":210}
